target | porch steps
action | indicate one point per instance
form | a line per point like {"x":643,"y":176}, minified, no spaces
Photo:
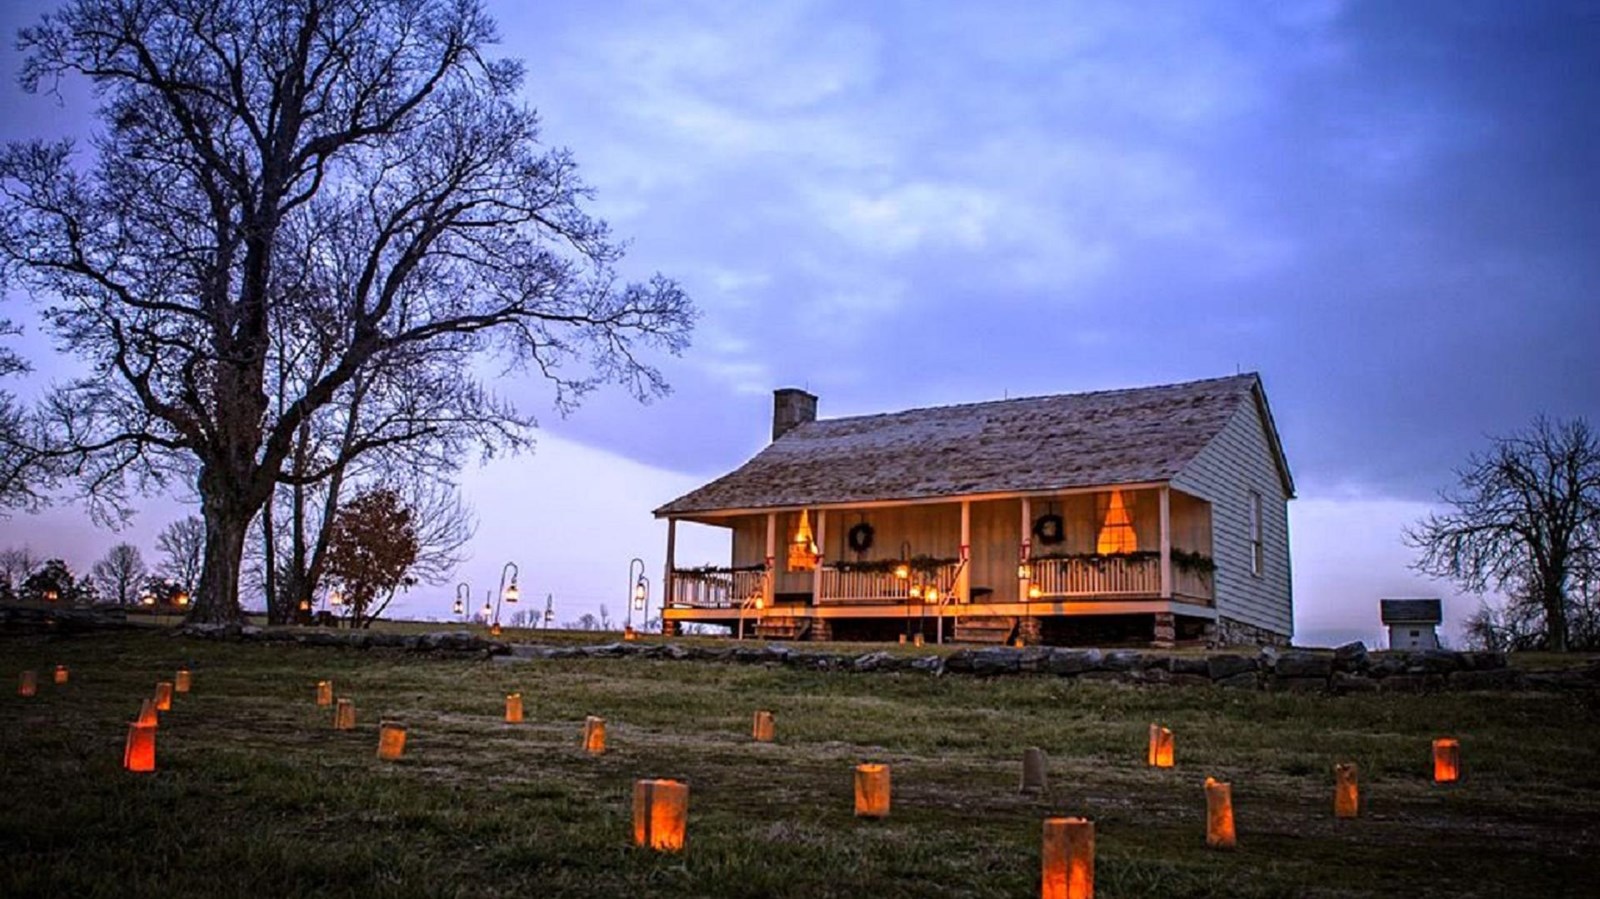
{"x":774,"y":627}
{"x":986,"y":629}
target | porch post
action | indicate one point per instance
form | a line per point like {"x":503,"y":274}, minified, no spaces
{"x":1166,"y":542}
{"x":1025,"y":555}
{"x":666,"y":576}
{"x":964,"y":583}
{"x":822,"y":552}
{"x":769,"y":585}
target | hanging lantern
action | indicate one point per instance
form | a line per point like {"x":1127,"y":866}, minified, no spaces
{"x":1219,"y":815}
{"x":164,"y":696}
{"x":594,"y":735}
{"x":139,"y":753}
{"x":513,"y":708}
{"x":344,"y":715}
{"x":62,"y":674}
{"x":183,"y":681}
{"x":29,"y":685}
{"x":1346,"y":795}
{"x":872,"y":791}
{"x":764,"y":727}
{"x":324,"y":692}
{"x":147,"y":713}
{"x":1446,"y":760}
{"x":1034,"y":770}
{"x":391,"y":740}
{"x":1161,"y":747}
{"x":1067,"y":857}
{"x":660,"y":814}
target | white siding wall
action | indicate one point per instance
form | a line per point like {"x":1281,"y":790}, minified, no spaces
{"x":1238,"y":460}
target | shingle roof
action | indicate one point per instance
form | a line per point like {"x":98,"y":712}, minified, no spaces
{"x":1032,"y":444}
{"x":1410,"y":611}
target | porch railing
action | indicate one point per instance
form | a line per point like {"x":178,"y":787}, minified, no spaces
{"x":1188,"y":582}
{"x":1110,"y":575}
{"x":882,"y":586}
{"x":715,"y":589}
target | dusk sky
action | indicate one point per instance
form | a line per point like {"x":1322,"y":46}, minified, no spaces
{"x":1391,"y":210}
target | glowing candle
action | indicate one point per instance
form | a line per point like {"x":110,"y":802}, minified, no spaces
{"x":344,"y":715}
{"x":1446,"y":760}
{"x":1068,"y":859}
{"x":139,"y":753}
{"x":324,"y":692}
{"x":872,"y":791}
{"x":183,"y":681}
{"x":1219,"y":815}
{"x":594,"y":735}
{"x":391,"y":741}
{"x":764,"y":727}
{"x":62,"y":675}
{"x":660,"y":814}
{"x":1346,"y":795}
{"x":29,"y":685}
{"x":164,"y":696}
{"x":513,"y":708}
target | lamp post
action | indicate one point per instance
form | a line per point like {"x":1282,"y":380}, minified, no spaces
{"x":641,"y":600}
{"x":487,"y":608}
{"x":634,"y":580}
{"x":463,"y":596}
{"x":508,"y":594}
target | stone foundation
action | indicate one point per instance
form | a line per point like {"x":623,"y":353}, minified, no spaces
{"x":1232,"y":632}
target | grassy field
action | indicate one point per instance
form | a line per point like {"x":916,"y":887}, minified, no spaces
{"x":257,"y":795}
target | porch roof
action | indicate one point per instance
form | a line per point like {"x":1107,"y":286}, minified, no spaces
{"x":1058,"y":442}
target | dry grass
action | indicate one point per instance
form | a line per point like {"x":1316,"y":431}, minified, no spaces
{"x":256,"y":794}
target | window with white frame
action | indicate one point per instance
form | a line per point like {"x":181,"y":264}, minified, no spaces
{"x":1256,"y":547}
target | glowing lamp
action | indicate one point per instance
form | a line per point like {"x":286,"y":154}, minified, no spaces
{"x":457,"y":608}
{"x":1346,"y":795}
{"x":182,"y":599}
{"x":164,"y":696}
{"x":147,"y":713}
{"x":1034,"y":768}
{"x":494,"y":629}
{"x":1018,"y":643}
{"x":324,"y":692}
{"x":1034,"y":592}
{"x":183,"y":681}
{"x":305,"y":605}
{"x":391,"y":741}
{"x":28,"y":685}
{"x":915,"y":591}
{"x":513,"y":708}
{"x":761,"y":603}
{"x":1219,"y":815}
{"x":1446,"y":760}
{"x":344,"y":715}
{"x":1160,"y":753}
{"x":1067,"y":857}
{"x":764,"y":727}
{"x":139,"y":753}
{"x":872,"y":791}
{"x":594,"y":735}
{"x":512,"y":594}
{"x":933,"y":594}
{"x":660,"y":814}
{"x":62,"y":674}
{"x":902,"y":571}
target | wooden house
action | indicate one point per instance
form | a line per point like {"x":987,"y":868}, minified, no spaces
{"x":1153,"y":514}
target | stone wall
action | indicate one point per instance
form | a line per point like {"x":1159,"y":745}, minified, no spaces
{"x":1231,"y":632}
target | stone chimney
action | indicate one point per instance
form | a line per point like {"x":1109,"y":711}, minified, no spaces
{"x":791,"y":406}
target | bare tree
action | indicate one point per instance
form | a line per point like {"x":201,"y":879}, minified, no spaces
{"x":1525,"y":520}
{"x":120,"y":575}
{"x":16,"y":563}
{"x":182,"y":545}
{"x":357,"y":169}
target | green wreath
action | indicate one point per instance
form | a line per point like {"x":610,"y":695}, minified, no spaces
{"x":860,"y":537}
{"x":1049,"y":529}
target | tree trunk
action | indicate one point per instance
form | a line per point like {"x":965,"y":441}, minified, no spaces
{"x":226,"y":505}
{"x":1555,"y":617}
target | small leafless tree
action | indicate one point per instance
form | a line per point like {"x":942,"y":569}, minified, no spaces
{"x":120,"y":574}
{"x":1525,"y":520}
{"x":182,"y":545}
{"x":16,"y":563}
{"x":283,"y":197}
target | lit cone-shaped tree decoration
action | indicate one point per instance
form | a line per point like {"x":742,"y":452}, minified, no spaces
{"x":344,"y":715}
{"x":872,"y":791}
{"x":1346,"y":794}
{"x":147,"y":712}
{"x":764,"y":728}
{"x":324,"y":692}
{"x":1160,"y":753}
{"x":183,"y":681}
{"x":139,"y":753}
{"x":1446,"y":760}
{"x":391,"y":741}
{"x":1034,"y":765}
{"x":28,"y":685}
{"x":660,"y":814}
{"x":513,"y":708}
{"x":1067,"y":855}
{"x":594,"y":735}
{"x":164,"y":696}
{"x":1219,"y":815}
{"x":62,"y":674}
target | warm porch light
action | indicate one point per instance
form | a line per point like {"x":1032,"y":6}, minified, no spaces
{"x":344,"y":715}
{"x":1446,"y":760}
{"x":902,"y":571}
{"x":324,"y":692}
{"x":764,"y":727}
{"x":1034,"y":767}
{"x":872,"y":791}
{"x":1161,"y":748}
{"x":660,"y":814}
{"x":1117,"y":536}
{"x":916,"y":591}
{"x":1346,"y":795}
{"x":594,"y":735}
{"x":29,"y":685}
{"x":164,"y":696}
{"x":1219,"y":815}
{"x":147,"y":713}
{"x":183,"y":681}
{"x":761,"y":603}
{"x":803,"y":546}
{"x":182,"y":599}
{"x":1067,"y":857}
{"x":391,"y":741}
{"x":139,"y":753}
{"x":513,"y":708}
{"x":1034,"y":592}
{"x":62,"y":674}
